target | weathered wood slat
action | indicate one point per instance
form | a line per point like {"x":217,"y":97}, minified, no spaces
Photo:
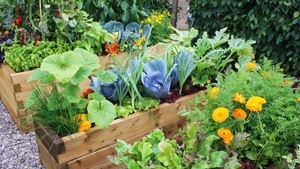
{"x":78,"y":150}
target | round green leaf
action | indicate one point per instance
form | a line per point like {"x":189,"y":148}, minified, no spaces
{"x":102,"y":113}
{"x":63,"y":66}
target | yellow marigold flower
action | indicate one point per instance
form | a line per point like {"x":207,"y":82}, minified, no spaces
{"x":239,"y":113}
{"x":251,"y":65}
{"x":143,"y":38}
{"x":84,"y":125}
{"x":214,"y":92}
{"x":239,"y":98}
{"x":254,"y":104}
{"x":139,"y":42}
{"x":116,"y":35}
{"x":220,"y":114}
{"x":298,"y":99}
{"x":226,"y":135}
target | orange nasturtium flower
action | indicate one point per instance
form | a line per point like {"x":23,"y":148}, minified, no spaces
{"x":214,"y":92}
{"x":84,"y":124}
{"x":239,"y":98}
{"x":251,"y":65}
{"x":239,"y":113}
{"x":112,"y":48}
{"x":87,"y":92}
{"x":220,"y":114}
{"x":226,"y":135}
{"x":254,"y":104}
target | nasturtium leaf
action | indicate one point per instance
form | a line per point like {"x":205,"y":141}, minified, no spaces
{"x":96,"y":96}
{"x":81,"y":75}
{"x":71,"y":93}
{"x":82,"y":104}
{"x":63,"y":66}
{"x":91,"y":59}
{"x":106,"y":76}
{"x":101,"y":113}
{"x":42,"y":76}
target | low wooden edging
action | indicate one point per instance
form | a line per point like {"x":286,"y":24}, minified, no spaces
{"x":14,"y":88}
{"x":90,"y":148}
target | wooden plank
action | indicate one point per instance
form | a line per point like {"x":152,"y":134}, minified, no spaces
{"x":50,"y":140}
{"x":99,"y":159}
{"x":91,"y":140}
{"x":46,"y":157}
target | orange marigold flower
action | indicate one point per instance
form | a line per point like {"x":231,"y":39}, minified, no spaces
{"x":220,"y":114}
{"x":214,"y":92}
{"x":239,"y":113}
{"x":239,"y":98}
{"x":226,"y":135}
{"x":254,"y":104}
{"x":298,"y":99}
{"x":251,"y":65}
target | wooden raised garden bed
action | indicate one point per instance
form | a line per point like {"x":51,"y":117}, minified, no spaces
{"x":89,"y":149}
{"x":14,"y":88}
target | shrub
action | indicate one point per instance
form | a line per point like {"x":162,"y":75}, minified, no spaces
{"x":273,"y":24}
{"x":123,"y":11}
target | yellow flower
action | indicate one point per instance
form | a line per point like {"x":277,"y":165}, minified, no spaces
{"x":239,"y":113}
{"x":81,"y":117}
{"x":254,"y":104}
{"x":220,"y":114}
{"x":239,"y":98}
{"x":251,"y":65}
{"x":84,"y":125}
{"x":226,"y":135}
{"x":214,"y":92}
{"x":143,"y":38}
{"x":140,"y":31}
{"x":116,"y":35}
{"x":298,"y":99}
